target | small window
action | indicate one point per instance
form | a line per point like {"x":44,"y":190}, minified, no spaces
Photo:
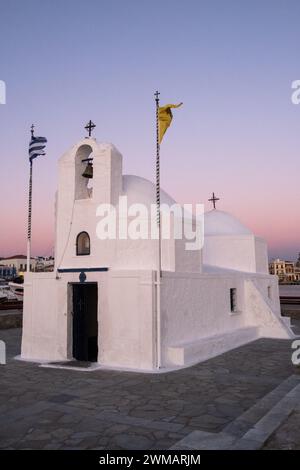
{"x":83,"y":244}
{"x":233,"y":302}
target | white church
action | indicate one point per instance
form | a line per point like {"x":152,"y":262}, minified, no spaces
{"x":105,"y":302}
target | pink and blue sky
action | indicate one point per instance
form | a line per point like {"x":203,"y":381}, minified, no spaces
{"x":231,"y":63}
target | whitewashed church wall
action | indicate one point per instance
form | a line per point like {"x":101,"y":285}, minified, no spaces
{"x":47,"y":313}
{"x":41,"y":339}
{"x":261,"y":255}
{"x":268,"y":287}
{"x":107,"y":178}
{"x":102,"y":252}
{"x":127,"y":330}
{"x":194,"y":306}
{"x":121,"y":254}
{"x":230,"y":251}
{"x":143,"y":254}
{"x":75,"y":211}
{"x":263,"y":311}
{"x":189,"y":261}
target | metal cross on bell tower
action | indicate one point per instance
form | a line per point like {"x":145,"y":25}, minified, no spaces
{"x":214,"y":199}
{"x":90,"y":127}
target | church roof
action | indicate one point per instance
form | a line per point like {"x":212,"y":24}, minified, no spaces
{"x":218,"y":222}
{"x":141,"y":190}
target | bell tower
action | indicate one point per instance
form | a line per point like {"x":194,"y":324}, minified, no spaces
{"x":76,"y":202}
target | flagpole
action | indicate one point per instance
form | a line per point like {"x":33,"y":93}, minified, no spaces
{"x":158,"y":219}
{"x":29,"y":212}
{"x":158,"y":182}
{"x":36,"y":148}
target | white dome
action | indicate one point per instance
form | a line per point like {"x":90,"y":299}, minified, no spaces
{"x":140,"y":190}
{"x":221,"y":223}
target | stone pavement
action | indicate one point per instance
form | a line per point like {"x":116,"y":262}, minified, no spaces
{"x":252,"y":429}
{"x":287,"y":436}
{"x":43,"y":408}
{"x":11,"y":319}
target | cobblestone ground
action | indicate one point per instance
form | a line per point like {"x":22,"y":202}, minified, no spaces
{"x":287,"y":436}
{"x":42,"y":408}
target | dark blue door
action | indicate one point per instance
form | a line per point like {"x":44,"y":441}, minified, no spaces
{"x":85,"y":324}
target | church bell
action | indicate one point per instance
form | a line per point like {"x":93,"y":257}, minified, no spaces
{"x":88,"y":172}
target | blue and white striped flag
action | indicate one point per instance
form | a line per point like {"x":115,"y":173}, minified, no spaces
{"x":36,"y":147}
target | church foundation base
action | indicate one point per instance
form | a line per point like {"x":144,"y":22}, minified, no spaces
{"x":206,"y":348}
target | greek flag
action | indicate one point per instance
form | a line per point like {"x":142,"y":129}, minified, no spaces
{"x":36,"y":147}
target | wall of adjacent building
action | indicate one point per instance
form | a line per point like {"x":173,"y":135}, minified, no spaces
{"x":19,"y":263}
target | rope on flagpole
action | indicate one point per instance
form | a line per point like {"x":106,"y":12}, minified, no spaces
{"x":158,"y":216}
{"x":29,"y":219}
{"x":29,"y":209}
{"x":158,"y":220}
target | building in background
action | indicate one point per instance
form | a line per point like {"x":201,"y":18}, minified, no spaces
{"x":19,"y":262}
{"x":7,"y":272}
{"x":44,"y":264}
{"x":287,"y":271}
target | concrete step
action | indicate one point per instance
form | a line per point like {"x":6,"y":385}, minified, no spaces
{"x":252,"y":428}
{"x":249,"y":418}
{"x":256,"y":437}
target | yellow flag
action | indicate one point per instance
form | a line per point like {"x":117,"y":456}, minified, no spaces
{"x":165,"y":117}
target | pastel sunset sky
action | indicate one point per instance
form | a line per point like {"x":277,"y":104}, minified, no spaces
{"x":232,"y":64}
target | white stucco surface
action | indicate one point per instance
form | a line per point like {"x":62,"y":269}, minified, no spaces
{"x":125,"y":317}
{"x":198,"y":322}
{"x":221,"y":223}
{"x":231,"y":245}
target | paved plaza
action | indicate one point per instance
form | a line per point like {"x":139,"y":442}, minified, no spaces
{"x":246,"y":398}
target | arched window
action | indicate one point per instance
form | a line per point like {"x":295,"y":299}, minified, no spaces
{"x":83,"y":246}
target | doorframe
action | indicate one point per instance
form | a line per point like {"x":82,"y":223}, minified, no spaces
{"x":70,"y":315}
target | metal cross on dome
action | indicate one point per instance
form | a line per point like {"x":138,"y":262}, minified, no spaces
{"x":214,"y":199}
{"x":90,"y":127}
